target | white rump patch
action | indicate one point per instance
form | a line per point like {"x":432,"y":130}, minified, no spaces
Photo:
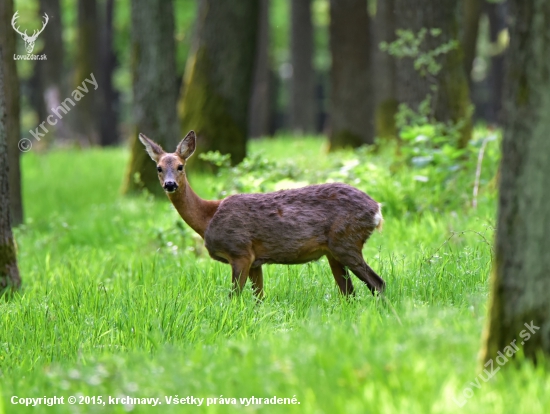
{"x":378,"y":218}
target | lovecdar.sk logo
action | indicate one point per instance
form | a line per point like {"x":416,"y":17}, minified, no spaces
{"x":29,"y":40}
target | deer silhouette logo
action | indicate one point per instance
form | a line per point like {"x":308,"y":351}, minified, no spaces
{"x":29,"y":40}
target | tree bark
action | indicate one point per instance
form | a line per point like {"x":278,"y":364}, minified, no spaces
{"x":520,"y":291}
{"x":452,"y":101}
{"x":302,"y":82}
{"x":11,"y":96}
{"x":107,"y":96}
{"x":384,"y":75}
{"x":218,"y":78}
{"x":154,"y":88}
{"x":87,"y":116}
{"x":260,"y":100}
{"x":351,"y":96}
{"x":9,"y":272}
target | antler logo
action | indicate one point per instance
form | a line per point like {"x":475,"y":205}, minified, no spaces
{"x":29,"y":40}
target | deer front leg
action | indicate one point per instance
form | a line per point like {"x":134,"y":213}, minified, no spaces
{"x":240,"y":268}
{"x":257,"y":279}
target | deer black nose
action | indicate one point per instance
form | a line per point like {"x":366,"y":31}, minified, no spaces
{"x":170,"y":186}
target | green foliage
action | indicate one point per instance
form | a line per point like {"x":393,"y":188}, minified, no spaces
{"x":409,"y":45}
{"x":430,"y":145}
{"x":255,"y":174}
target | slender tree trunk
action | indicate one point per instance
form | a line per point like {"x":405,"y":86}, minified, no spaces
{"x":154,"y":87}
{"x":51,"y":71}
{"x":497,"y":13}
{"x":351,"y":97}
{"x":384,"y":75}
{"x":218,"y":77}
{"x":472,"y":13}
{"x":452,"y":101}
{"x":107,"y":96}
{"x":10,"y":91}
{"x":520,"y":283}
{"x":34,"y":92}
{"x":9,"y":272}
{"x":302,"y":84}
{"x":260,"y":100}
{"x":87,"y":116}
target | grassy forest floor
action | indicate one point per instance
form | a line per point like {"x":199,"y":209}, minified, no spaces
{"x":121,"y":299}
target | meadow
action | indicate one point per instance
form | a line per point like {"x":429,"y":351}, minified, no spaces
{"x":121,"y":299}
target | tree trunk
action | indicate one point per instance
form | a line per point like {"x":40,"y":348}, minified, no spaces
{"x":51,"y":72}
{"x":154,"y":88}
{"x":384,"y":75}
{"x":472,"y":13}
{"x":451,"y":101}
{"x":11,"y":95}
{"x":520,"y":283}
{"x":9,"y":272}
{"x":302,"y":82}
{"x":351,"y":96}
{"x":497,"y":13}
{"x":260,"y":100}
{"x":218,"y":78}
{"x":87,"y":116}
{"x":107,"y":96}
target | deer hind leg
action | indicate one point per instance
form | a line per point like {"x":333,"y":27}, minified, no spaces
{"x":257,"y":278}
{"x":363,"y":271}
{"x":355,"y":262}
{"x":240,"y":268}
{"x":341,"y":276}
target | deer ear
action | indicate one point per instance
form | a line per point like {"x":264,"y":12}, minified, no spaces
{"x":186,"y":147}
{"x":154,"y":150}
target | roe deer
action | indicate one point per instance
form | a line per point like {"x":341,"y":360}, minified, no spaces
{"x":286,"y":227}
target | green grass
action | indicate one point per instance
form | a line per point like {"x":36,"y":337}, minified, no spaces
{"x":120,"y":299}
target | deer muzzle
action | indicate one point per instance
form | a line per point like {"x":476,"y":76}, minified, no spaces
{"x":170,"y":186}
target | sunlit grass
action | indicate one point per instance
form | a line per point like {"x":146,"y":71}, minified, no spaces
{"x":120,"y":298}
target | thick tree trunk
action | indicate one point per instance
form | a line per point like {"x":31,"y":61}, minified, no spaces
{"x":520,"y":283}
{"x":351,"y":96}
{"x":218,"y":77}
{"x":51,"y":72}
{"x":154,"y":87}
{"x":87,"y":116}
{"x":384,"y":75}
{"x":452,"y":101}
{"x":260,"y":100}
{"x":107,"y":96}
{"x":11,"y":94}
{"x":302,"y":83}
{"x":9,"y":272}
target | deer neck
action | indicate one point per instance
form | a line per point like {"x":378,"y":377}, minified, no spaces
{"x":195,"y":211}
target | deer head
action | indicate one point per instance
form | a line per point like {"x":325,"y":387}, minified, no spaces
{"x":29,"y":40}
{"x":170,"y":166}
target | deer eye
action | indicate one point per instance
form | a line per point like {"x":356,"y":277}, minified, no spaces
{"x":180,"y":167}
{"x":159,"y":169}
